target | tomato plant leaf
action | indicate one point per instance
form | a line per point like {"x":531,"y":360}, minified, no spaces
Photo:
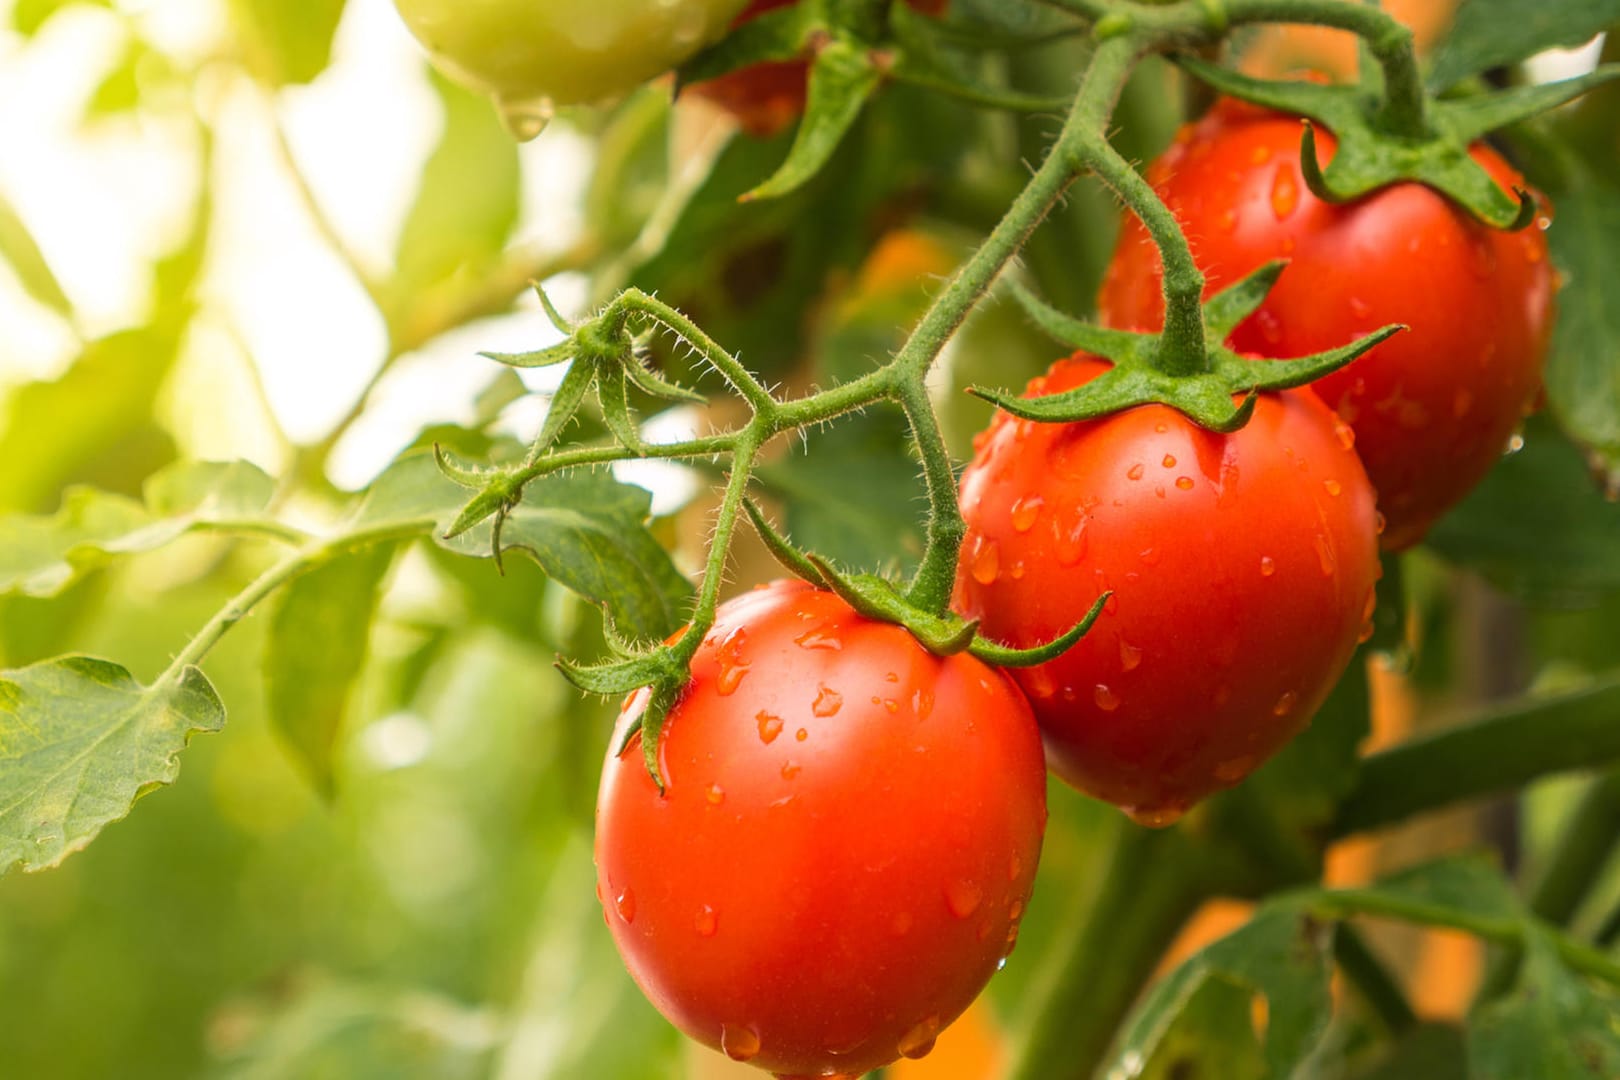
{"x":41,"y":556}
{"x":588,"y":532}
{"x":18,"y":248}
{"x":467,"y":201}
{"x":1281,"y":954}
{"x":320,"y":635}
{"x":1583,"y":369}
{"x":29,"y":15}
{"x":1497,"y":33}
{"x":842,"y":78}
{"x":1554,"y":1025}
{"x":1536,"y":525}
{"x":80,"y":741}
{"x":287,"y":41}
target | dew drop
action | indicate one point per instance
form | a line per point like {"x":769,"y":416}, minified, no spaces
{"x":1232,"y":770}
{"x":1284,"y":191}
{"x":828,"y":702}
{"x":1025,"y":512}
{"x":740,"y":1042}
{"x":1071,"y":542}
{"x":1185,"y":483}
{"x":1514,"y":444}
{"x":1130,"y":657}
{"x":917,"y":1042}
{"x":730,"y":678}
{"x":986,"y":563}
{"x":790,"y":769}
{"x":801,"y":735}
{"x":1169,"y":461}
{"x":706,"y":922}
{"x":769,"y":727}
{"x":715,"y":795}
{"x":525,"y":119}
{"x":1038,"y":682}
{"x":1285,"y":704}
{"x":625,"y":905}
{"x":1105,"y":698}
{"x":1325,"y":556}
{"x":1346,"y":434}
{"x":1015,"y":867}
{"x":1268,"y":566}
{"x":1135,"y":471}
{"x":1270,"y":327}
{"x":922,"y":704}
{"x":893,"y":676}
{"x":1157,"y":817}
{"x":822,"y":637}
{"x":1017,"y":570}
{"x":962,"y":898}
{"x":728,"y":657}
{"x":1332,"y":487}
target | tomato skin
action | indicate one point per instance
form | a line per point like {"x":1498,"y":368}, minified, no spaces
{"x":767,"y":98}
{"x":1242,"y":568}
{"x":568,"y":51}
{"x":848,"y":836}
{"x":1433,"y":407}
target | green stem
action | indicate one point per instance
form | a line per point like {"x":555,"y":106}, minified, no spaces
{"x":1506,"y":749}
{"x":1153,"y":883}
{"x":256,"y":530}
{"x":1374,"y":982}
{"x":725,"y":524}
{"x":704,"y":447}
{"x":741,"y":379}
{"x":936,"y":575}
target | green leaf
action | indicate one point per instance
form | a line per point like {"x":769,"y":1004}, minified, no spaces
{"x":1583,"y":370}
{"x":18,"y":248}
{"x":1553,"y":1026}
{"x":319,"y":638}
{"x":872,"y":524}
{"x":29,"y":15}
{"x":410,"y":492}
{"x":468,"y":199}
{"x":93,"y":425}
{"x":80,"y":741}
{"x":287,"y":41}
{"x":41,"y":556}
{"x":588,"y":532}
{"x":1212,"y":1038}
{"x":1472,"y":884}
{"x":1427,"y":1052}
{"x":1537,"y":526}
{"x":842,"y":78}
{"x":1281,"y":954}
{"x":1497,"y":33}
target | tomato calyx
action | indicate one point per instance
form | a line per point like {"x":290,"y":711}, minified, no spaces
{"x":1371,"y":154}
{"x":1138,"y":378}
{"x":941,"y":633}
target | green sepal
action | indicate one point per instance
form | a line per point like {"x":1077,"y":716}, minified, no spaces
{"x":558,"y":323}
{"x":1229,"y":307}
{"x":1002,"y":656}
{"x":610,"y":392}
{"x":662,"y":699}
{"x":1076,"y":333}
{"x":842,"y":77}
{"x":1369,"y":158}
{"x":780,"y":34}
{"x":619,"y":676}
{"x":645,"y":380}
{"x":550,"y":356}
{"x":792,"y":559}
{"x":1252,"y":374}
{"x":565,"y":403}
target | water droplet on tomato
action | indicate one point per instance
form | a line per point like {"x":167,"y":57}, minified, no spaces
{"x":1285,"y":704}
{"x":1324,"y":555}
{"x":1105,"y":698}
{"x":917,"y":1042}
{"x":1025,"y":512}
{"x":922,"y":704}
{"x":1015,"y":866}
{"x":1514,"y":444}
{"x":730,"y":678}
{"x":1270,"y":328}
{"x":986,"y":563}
{"x":715,"y":795}
{"x":1130,"y":657}
{"x":728,"y":658}
{"x":1232,"y":770}
{"x":1169,"y":461}
{"x":1345,"y":433}
{"x":1268,"y":566}
{"x":739,"y":1041}
{"x":962,"y":898}
{"x":801,"y":735}
{"x":1071,"y":542}
{"x":769,"y":727}
{"x":706,"y":922}
{"x":1038,"y":682}
{"x":1332,"y":487}
{"x":1284,"y":191}
{"x":525,"y":118}
{"x":1017,"y":570}
{"x":1135,"y":471}
{"x":1161,"y":817}
{"x":790,"y":769}
{"x":625,"y":905}
{"x":828,"y":702}
{"x":1185,"y":483}
{"x":822,"y":637}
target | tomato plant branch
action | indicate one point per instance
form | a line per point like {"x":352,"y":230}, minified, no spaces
{"x":1153,"y":883}
{"x":1507,"y":748}
{"x":1373,"y":981}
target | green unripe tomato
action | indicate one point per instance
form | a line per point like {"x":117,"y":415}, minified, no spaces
{"x":531,"y":54}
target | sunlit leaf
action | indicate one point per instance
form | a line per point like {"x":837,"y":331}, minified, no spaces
{"x":287,"y":41}
{"x":27,"y":16}
{"x":320,"y":635}
{"x":40,"y":556}
{"x":1497,"y":33}
{"x":17,"y":247}
{"x":80,"y":741}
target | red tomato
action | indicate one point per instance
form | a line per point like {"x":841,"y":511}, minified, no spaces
{"x":1242,"y":568}
{"x":1432,"y":408}
{"x":845,"y":845}
{"x":767,"y":98}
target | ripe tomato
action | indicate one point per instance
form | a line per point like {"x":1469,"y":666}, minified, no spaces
{"x":565,"y":51}
{"x":845,"y":845}
{"x":1242,"y":568}
{"x":1432,"y":408}
{"x":767,"y":98}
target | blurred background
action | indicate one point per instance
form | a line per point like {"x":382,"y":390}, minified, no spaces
{"x":262,"y":229}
